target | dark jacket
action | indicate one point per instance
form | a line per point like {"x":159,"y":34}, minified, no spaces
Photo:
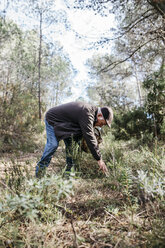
{"x":75,"y":118}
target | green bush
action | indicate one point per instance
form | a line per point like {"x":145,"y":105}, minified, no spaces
{"x":19,"y":119}
{"x":36,"y":201}
{"x":162,"y":130}
{"x":133,"y":123}
{"x":155,"y":101}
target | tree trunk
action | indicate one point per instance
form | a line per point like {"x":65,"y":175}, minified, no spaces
{"x":39,"y":67}
{"x":57,"y":93}
{"x":139,"y":89}
{"x":138,"y":83}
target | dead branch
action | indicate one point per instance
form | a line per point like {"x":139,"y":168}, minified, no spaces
{"x":114,"y":217}
{"x":75,"y":243}
{"x":117,"y":243}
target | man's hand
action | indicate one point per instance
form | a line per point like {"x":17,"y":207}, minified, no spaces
{"x":103,"y":167}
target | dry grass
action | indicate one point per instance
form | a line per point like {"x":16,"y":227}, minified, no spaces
{"x":102,"y":213}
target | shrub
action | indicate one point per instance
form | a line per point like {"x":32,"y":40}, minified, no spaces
{"x":155,"y":87}
{"x":19,"y":119}
{"x":36,"y":204}
{"x":133,"y":123}
{"x":36,"y":200}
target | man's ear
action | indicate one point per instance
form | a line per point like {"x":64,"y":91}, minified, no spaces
{"x":100,"y":116}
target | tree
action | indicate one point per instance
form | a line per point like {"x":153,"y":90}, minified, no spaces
{"x":112,"y":88}
{"x":41,"y":10}
{"x":59,"y":75}
{"x":139,"y":28}
{"x":17,"y":125}
{"x":44,"y":12}
{"x":138,"y":39}
{"x":18,"y":83}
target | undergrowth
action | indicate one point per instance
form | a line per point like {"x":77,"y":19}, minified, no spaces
{"x":125,"y":209}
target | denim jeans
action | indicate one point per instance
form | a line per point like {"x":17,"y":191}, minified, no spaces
{"x":50,"y":148}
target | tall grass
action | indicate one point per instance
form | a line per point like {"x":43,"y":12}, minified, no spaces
{"x":25,"y":199}
{"x":128,"y":206}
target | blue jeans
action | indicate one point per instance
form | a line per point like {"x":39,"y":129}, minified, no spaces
{"x":50,"y":148}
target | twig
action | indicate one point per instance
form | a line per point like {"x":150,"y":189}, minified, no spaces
{"x":92,"y":238}
{"x":100,"y":244}
{"x":117,"y":243}
{"x":133,"y":25}
{"x":87,"y":221}
{"x":75,"y":243}
{"x":114,"y":218}
{"x":11,"y":191}
{"x":105,"y":245}
{"x":141,"y":213}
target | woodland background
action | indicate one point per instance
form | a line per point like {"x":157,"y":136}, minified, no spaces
{"x":126,"y":209}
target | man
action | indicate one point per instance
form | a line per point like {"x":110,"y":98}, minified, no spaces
{"x":72,"y":121}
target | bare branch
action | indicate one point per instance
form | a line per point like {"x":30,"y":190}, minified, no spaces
{"x":143,"y":14}
{"x":138,"y":21}
{"x":114,"y":64}
{"x":107,"y":1}
{"x":131,"y":27}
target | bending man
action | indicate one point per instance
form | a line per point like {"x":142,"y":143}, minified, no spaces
{"x":72,"y":121}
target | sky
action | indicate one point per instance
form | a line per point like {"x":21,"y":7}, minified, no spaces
{"x":91,"y":27}
{"x":87,"y":24}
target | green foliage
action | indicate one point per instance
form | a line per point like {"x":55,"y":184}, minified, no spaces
{"x":36,"y":201}
{"x":25,"y":200}
{"x":133,"y":123}
{"x":19,"y":118}
{"x":147,"y":122}
{"x":109,"y":87}
{"x":141,"y":166}
{"x":7,"y":30}
{"x":39,"y":213}
{"x":28,"y":198}
{"x":152,"y":183}
{"x":155,"y":102}
{"x":156,"y":239}
{"x":162,"y":130}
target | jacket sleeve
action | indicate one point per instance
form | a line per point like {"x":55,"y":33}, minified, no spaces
{"x":86,"y":124}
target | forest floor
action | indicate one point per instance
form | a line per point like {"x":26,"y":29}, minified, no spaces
{"x":100,"y":212}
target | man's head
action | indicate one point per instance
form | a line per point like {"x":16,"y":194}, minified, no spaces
{"x":104,"y":116}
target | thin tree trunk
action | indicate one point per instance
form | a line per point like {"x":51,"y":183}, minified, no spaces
{"x":139,"y":91}
{"x":39,"y":68}
{"x":57,"y":92}
{"x":138,"y":84}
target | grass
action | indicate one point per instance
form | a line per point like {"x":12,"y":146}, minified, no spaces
{"x":124,"y":210}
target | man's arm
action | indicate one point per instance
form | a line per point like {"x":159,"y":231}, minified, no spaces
{"x":86,"y":124}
